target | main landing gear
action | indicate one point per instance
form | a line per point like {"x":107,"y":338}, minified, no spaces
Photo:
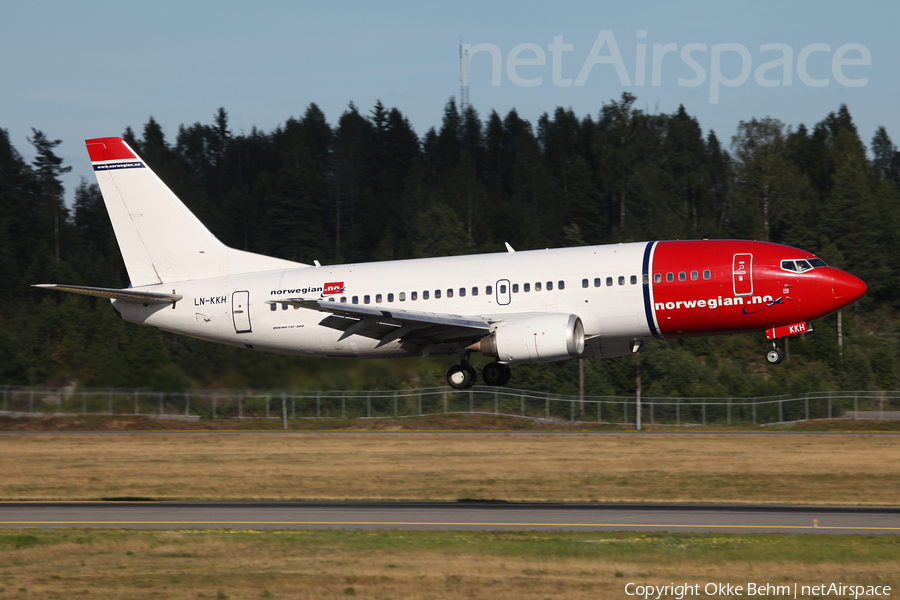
{"x":774,"y":355}
{"x":463,"y":375}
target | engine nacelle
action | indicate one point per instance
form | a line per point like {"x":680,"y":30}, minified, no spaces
{"x":541,"y":338}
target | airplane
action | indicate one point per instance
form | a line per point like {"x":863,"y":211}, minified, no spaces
{"x":516,"y":307}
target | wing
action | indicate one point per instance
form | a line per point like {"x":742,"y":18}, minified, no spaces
{"x":127,"y":295}
{"x":387,"y":325}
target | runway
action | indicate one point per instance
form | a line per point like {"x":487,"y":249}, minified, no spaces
{"x":497,"y":516}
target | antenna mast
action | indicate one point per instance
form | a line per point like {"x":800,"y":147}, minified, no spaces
{"x":463,"y":77}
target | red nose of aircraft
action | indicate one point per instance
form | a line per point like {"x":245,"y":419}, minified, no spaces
{"x":846,"y":287}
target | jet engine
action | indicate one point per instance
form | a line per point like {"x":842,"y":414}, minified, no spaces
{"x":541,"y":338}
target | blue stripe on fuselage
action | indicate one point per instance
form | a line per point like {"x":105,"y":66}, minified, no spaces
{"x":648,"y":308}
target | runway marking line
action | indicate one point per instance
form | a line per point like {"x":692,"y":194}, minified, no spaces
{"x":441,"y":524}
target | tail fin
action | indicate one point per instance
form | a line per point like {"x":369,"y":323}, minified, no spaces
{"x":160,"y":239}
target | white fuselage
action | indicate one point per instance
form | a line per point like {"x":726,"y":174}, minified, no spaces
{"x":494,"y":285}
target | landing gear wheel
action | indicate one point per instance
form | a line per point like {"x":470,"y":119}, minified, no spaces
{"x":774,"y":356}
{"x":496,"y":374}
{"x":461,"y":377}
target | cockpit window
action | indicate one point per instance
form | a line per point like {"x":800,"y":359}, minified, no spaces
{"x":803,"y":265}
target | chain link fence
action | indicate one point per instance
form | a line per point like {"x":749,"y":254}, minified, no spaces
{"x":246,"y":404}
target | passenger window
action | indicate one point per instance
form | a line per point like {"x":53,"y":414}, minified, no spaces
{"x":670,"y":277}
{"x":284,"y":306}
{"x":503,"y":289}
{"x":516,"y":288}
{"x":537,"y":286}
{"x":596,"y":282}
{"x":560,"y":285}
{"x":474,"y":291}
{"x":488,"y":290}
{"x":296,"y":307}
{"x":609,"y":281}
{"x":657,"y":278}
{"x":331,"y":299}
{"x":425,"y":295}
{"x":585,"y":283}
{"x":367,"y":299}
{"x":273,"y":307}
{"x":633,"y":279}
{"x":378,"y":299}
{"x":449,"y":292}
{"x":695,"y":276}
{"x":621,"y":280}
{"x":462,"y":292}
{"x":682,"y":276}
{"x":390,"y":297}
{"x":706,"y":274}
{"x":343,"y":301}
{"x":526,"y":287}
{"x":437,"y":294}
{"x":402,"y":296}
{"x":414,"y":295}
{"x":355,"y":299}
{"x":549,"y":286}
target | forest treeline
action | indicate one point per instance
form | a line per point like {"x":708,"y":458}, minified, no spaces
{"x":370,"y":188}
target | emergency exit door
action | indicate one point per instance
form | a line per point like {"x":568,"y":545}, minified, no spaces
{"x":240,"y":311}
{"x":743,"y":274}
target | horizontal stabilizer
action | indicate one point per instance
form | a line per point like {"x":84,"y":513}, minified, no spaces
{"x":128,"y":295}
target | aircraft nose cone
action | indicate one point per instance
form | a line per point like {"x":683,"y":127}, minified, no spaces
{"x":847,"y":287}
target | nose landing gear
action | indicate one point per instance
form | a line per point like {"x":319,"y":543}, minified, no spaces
{"x":774,"y":356}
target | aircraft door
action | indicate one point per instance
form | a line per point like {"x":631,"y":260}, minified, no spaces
{"x":743,"y":274}
{"x":503,"y":293}
{"x":240,"y":311}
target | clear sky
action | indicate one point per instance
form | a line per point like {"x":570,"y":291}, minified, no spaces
{"x":78,"y":70}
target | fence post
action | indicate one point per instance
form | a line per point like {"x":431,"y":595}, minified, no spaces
{"x":624,"y":411}
{"x":284,"y":410}
{"x":547,"y":409}
{"x":31,"y":402}
{"x":419,"y":395}
{"x":855,"y":404}
{"x":471,"y":401}
{"x":572,"y":411}
{"x":294,"y":406}
{"x":395,"y":403}
{"x":187,"y":404}
{"x":5,"y":399}
{"x":83,"y":403}
{"x":729,"y":411}
{"x":496,"y":402}
{"x":754,"y":411}
{"x":678,"y":411}
{"x":703,"y":410}
{"x":807,"y":405}
{"x":318,"y":404}
{"x":599,"y":420}
{"x":137,"y":396}
{"x":109,"y":401}
{"x":214,"y":406}
{"x":160,"y":403}
{"x":344,"y":405}
{"x":780,"y":410}
{"x":445,"y":403}
{"x":369,"y":404}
